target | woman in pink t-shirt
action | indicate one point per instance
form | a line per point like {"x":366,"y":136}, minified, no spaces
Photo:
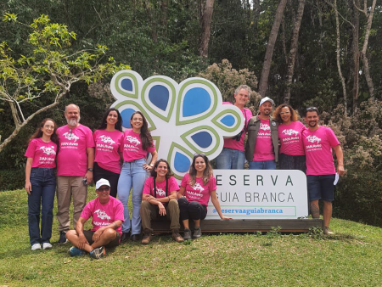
{"x":160,"y":200}
{"x":292,"y":154}
{"x":232,"y":156}
{"x":137,"y":142}
{"x":40,"y":183}
{"x":108,"y":140}
{"x":196,"y":188}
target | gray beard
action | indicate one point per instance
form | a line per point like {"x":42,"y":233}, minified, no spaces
{"x":72,"y":122}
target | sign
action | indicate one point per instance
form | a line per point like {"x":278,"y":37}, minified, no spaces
{"x":184,"y":118}
{"x":260,"y":194}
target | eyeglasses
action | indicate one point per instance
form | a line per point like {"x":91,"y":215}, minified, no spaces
{"x":283,"y":113}
{"x":102,"y":189}
{"x":312,"y":109}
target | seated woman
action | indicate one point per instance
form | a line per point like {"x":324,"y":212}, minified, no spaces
{"x":159,"y":198}
{"x":197,"y":186}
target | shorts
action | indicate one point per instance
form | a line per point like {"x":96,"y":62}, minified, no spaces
{"x":115,"y":242}
{"x":321,"y":187}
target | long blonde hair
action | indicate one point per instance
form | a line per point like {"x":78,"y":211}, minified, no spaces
{"x":207,"y":173}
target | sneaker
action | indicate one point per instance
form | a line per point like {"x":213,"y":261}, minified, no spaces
{"x":36,"y":246}
{"x":197,"y":232}
{"x":327,"y":231}
{"x":46,"y":245}
{"x":187,"y":234}
{"x":98,"y":252}
{"x":74,"y":251}
{"x":125,"y":236}
{"x":176,"y":236}
{"x":63,"y":238}
{"x":134,"y":237}
{"x":146,"y":236}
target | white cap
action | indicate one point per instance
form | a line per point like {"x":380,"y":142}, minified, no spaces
{"x":101,"y":182}
{"x":266,"y":99}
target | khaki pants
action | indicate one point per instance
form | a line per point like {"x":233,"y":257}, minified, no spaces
{"x":151,"y":212}
{"x":68,"y":186}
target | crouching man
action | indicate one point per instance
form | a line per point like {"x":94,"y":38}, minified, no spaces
{"x":107,"y":217}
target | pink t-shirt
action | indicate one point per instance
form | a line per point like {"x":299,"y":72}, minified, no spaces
{"x":318,"y":147}
{"x":263,"y":147}
{"x":43,"y":154}
{"x":160,"y":187}
{"x":103,"y":214}
{"x":132,"y":147}
{"x":291,"y":138}
{"x":108,"y":145}
{"x":198,"y":192}
{"x":72,"y":158}
{"x":233,"y":143}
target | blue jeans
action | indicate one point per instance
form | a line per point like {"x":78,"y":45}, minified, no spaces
{"x":133,"y":175}
{"x":43,"y":181}
{"x":230,"y":159}
{"x":266,"y":164}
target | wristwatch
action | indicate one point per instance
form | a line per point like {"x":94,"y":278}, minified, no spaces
{"x":90,"y":169}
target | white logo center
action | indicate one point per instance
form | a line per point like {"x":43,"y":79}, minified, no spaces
{"x":313,"y":139}
{"x":265,"y":127}
{"x":290,"y":132}
{"x":106,"y":139}
{"x":48,"y":150}
{"x":161,"y":192}
{"x":102,"y":214}
{"x":197,"y":186}
{"x":133,"y":140}
{"x":71,"y":136}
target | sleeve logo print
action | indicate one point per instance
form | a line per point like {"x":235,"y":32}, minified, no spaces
{"x":184,"y":118}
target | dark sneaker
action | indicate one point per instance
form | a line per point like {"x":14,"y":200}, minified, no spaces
{"x":134,"y":237}
{"x":327,"y":231}
{"x":146,"y":236}
{"x":98,"y":252}
{"x":125,"y":236}
{"x":74,"y":251}
{"x":187,"y":234}
{"x":63,"y":238}
{"x":197,"y":232}
{"x":176,"y":236}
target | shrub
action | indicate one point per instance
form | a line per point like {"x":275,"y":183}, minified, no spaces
{"x":11,"y":179}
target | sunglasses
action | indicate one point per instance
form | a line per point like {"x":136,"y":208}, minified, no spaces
{"x":102,"y":189}
{"x":312,"y":109}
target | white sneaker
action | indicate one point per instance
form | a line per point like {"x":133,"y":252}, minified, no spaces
{"x":36,"y":246}
{"x":46,"y":245}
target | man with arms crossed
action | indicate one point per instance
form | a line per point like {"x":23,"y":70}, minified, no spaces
{"x":74,"y":168}
{"x":318,"y":143}
{"x":107,"y":217}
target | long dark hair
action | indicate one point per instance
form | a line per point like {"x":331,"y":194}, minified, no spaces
{"x":118,"y":125}
{"x":154,"y":173}
{"x":38,"y":133}
{"x":277,"y":113}
{"x":207,"y":173}
{"x":146,"y":138}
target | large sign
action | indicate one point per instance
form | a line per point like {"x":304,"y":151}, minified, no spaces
{"x":260,"y":194}
{"x":184,"y":118}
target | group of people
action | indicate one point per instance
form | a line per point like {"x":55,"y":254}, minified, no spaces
{"x":279,"y":137}
{"x":117,"y":162}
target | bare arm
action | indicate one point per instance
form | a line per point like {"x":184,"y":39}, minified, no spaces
{"x":80,"y":231}
{"x":340,"y":159}
{"x":154,"y":156}
{"x":215,"y":202}
{"x":181,"y":192}
{"x":89,"y":174}
{"x":28,"y":168}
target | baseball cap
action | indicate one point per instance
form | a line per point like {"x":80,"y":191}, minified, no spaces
{"x":101,"y":182}
{"x":266,"y":99}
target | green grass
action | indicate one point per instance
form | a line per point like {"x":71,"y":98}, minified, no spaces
{"x":352,"y":257}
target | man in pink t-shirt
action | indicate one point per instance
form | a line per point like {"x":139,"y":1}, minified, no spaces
{"x":318,"y":144}
{"x":74,"y":168}
{"x":107,"y":217}
{"x":262,"y":148}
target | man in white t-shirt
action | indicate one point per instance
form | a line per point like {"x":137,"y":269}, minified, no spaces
{"x":74,"y":168}
{"x":318,"y":144}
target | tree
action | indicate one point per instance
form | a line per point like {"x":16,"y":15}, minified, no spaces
{"x":48,"y":73}
{"x":206,"y":28}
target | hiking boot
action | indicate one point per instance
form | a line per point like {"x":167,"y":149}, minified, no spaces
{"x":74,"y":251}
{"x":197,"y":232}
{"x":176,"y":236}
{"x":46,"y":245}
{"x":146,"y":236}
{"x":327,"y":231}
{"x":98,"y":252}
{"x":36,"y":246}
{"x":187,"y":234}
{"x":63,"y":238}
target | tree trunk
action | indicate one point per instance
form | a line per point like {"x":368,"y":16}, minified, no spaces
{"x":339,"y":59}
{"x":206,"y":28}
{"x":263,"y":86}
{"x":154,"y":34}
{"x":355,"y":56}
{"x":293,"y":49}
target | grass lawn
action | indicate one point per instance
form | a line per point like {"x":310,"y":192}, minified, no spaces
{"x":351,"y":257}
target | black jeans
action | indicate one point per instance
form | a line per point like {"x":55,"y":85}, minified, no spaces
{"x":112,"y":177}
{"x":191,"y":210}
